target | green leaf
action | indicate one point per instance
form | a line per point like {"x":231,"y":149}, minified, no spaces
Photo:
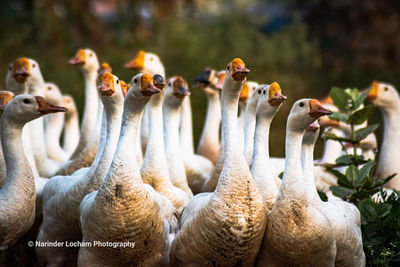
{"x":385,"y":208}
{"x":353,"y":93}
{"x":367,"y":209}
{"x":363,"y":194}
{"x":360,"y":116}
{"x":350,"y":159}
{"x":322,"y":196}
{"x":340,"y":98}
{"x":280,"y":175}
{"x":338,"y":116}
{"x":364,"y":172}
{"x":381,"y":182}
{"x":337,"y":138}
{"x":342,"y":179}
{"x":364,"y":132}
{"x":341,"y":192}
{"x":351,"y":173}
{"x":361,"y":99}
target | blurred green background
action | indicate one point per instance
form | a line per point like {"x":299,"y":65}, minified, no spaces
{"x":306,"y":46}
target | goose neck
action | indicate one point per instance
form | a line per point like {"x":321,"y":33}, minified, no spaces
{"x":171,"y":129}
{"x":249,"y":128}
{"x":186,"y":131}
{"x":213,"y":118}
{"x":19,"y":173}
{"x":307,"y":161}
{"x":261,"y":141}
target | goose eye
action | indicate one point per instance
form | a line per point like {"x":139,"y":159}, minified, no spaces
{"x":169,"y":84}
{"x":91,"y":55}
{"x":117,"y":81}
{"x":10,"y":68}
{"x":227,"y":67}
{"x":135,"y":80}
{"x":49,"y":88}
{"x":151,"y":59}
{"x":386,"y":89}
{"x":33,"y":65}
{"x":301,"y":104}
{"x":263,"y":92}
{"x":27,"y":101}
{"x":259,"y":91}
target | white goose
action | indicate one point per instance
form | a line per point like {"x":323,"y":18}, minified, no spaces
{"x":269,"y":103}
{"x":87,"y":60}
{"x":224,"y":228}
{"x":5,"y":98}
{"x":82,"y":160}
{"x":209,"y":140}
{"x":54,"y":124}
{"x":297,"y":233}
{"x":145,"y":62}
{"x":71,"y":125}
{"x":344,"y":217}
{"x":386,"y":98}
{"x":17,"y":196}
{"x":157,"y":175}
{"x":123,"y":197}
{"x":65,"y":193}
{"x":25,"y":73}
{"x":176,"y":90}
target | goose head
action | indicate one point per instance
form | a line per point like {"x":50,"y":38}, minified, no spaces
{"x":104,"y":67}
{"x":235,"y":75}
{"x":52,"y":93}
{"x":270,"y":99}
{"x":304,"y":112}
{"x":86,"y":59}
{"x":311,"y":134}
{"x":69,"y":104}
{"x":24,"y":108}
{"x":325,"y":121}
{"x":110,"y":89}
{"x":175,"y":91}
{"x":207,"y":80}
{"x":23,"y":74}
{"x":142,"y":87}
{"x":146,"y":62}
{"x":383,"y":95}
{"x":5,"y":98}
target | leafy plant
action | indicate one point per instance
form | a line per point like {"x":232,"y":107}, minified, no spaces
{"x":380,"y":212}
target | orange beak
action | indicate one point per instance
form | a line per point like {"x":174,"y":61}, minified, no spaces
{"x":124,"y":87}
{"x":46,"y":108}
{"x":79,"y":59}
{"x":107,"y":84}
{"x":5,"y":98}
{"x":220,"y":82}
{"x":325,"y":121}
{"x":275,"y":97}
{"x":239,"y":71}
{"x":138,"y":62}
{"x":316,"y":110}
{"x":180,"y":88}
{"x":313,"y":127}
{"x":244,"y":94}
{"x":147,"y":87}
{"x":373,"y":94}
{"x":21,"y":69}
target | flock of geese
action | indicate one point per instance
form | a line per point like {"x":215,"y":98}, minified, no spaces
{"x":129,"y":172}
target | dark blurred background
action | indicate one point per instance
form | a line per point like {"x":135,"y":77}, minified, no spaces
{"x":307,"y":46}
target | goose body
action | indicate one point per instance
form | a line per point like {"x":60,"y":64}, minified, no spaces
{"x":65,"y":193}
{"x":343,"y":217}
{"x":18,"y":196}
{"x":209,"y":140}
{"x":224,"y":227}
{"x":54,"y":124}
{"x":177,"y":89}
{"x":297,"y":234}
{"x":269,"y":103}
{"x":5,"y":98}
{"x":385,"y":97}
{"x":123,"y":197}
{"x":157,"y":175}
{"x":71,"y":125}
